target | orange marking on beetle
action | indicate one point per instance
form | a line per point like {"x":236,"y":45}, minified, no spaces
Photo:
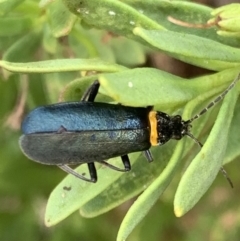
{"x":153,"y":128}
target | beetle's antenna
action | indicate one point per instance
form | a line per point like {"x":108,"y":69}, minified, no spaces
{"x":194,"y":138}
{"x":210,"y":105}
{"x":214,"y":102}
{"x":224,"y":172}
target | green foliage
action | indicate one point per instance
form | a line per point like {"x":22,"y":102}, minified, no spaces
{"x":53,"y":50}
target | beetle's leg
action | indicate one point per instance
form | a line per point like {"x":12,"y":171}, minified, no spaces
{"x":126,"y":162}
{"x":92,"y":171}
{"x":91,"y":92}
{"x":69,"y":170}
{"x":148,"y":155}
{"x":116,"y":168}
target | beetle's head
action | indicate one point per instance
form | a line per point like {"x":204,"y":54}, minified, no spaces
{"x":172,"y":127}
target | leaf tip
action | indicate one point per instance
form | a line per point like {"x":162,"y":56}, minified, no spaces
{"x":136,"y":30}
{"x":179,"y":212}
{"x":47,"y":221}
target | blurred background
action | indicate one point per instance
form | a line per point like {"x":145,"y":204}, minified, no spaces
{"x":25,"y":186}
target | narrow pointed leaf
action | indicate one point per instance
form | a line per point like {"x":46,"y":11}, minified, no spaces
{"x":149,"y":197}
{"x":61,"y":65}
{"x":233,"y":147}
{"x":73,"y":193}
{"x":204,"y":168}
{"x":192,"y":49}
{"x":130,"y":184}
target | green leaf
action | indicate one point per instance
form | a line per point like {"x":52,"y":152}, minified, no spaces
{"x":8,"y":93}
{"x":152,"y":87}
{"x":22,"y":50}
{"x":61,"y":65}
{"x":61,"y":20}
{"x":14,"y":26}
{"x":192,"y":49}
{"x":149,"y":197}
{"x":94,"y":199}
{"x":108,"y":47}
{"x":133,"y":53}
{"x":147,"y":87}
{"x":130,"y":184}
{"x":120,"y":17}
{"x":9,"y":5}
{"x":50,"y":43}
{"x":233,"y":146}
{"x":62,"y":202}
{"x":31,"y":9}
{"x":45,"y":3}
{"x":114,"y":16}
{"x":36,"y":91}
{"x":204,"y":168}
{"x":56,"y":83}
{"x":90,"y":44}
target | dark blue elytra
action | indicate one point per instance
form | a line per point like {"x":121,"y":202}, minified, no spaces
{"x":84,"y":132}
{"x":82,"y":116}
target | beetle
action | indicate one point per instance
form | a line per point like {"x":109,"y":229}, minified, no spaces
{"x":86,"y":132}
